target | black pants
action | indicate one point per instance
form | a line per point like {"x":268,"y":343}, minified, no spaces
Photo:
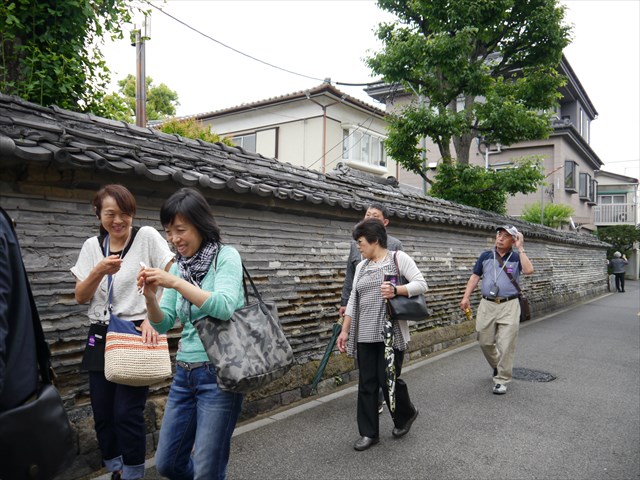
{"x":118,"y":413}
{"x":619,"y":281}
{"x":372,"y":377}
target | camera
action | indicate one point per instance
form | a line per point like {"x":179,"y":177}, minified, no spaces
{"x":494,"y":291}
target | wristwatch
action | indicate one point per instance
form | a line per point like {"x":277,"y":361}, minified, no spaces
{"x":395,"y":290}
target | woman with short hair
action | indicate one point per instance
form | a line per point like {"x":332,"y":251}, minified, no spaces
{"x":110,"y":262}
{"x":363,"y":325}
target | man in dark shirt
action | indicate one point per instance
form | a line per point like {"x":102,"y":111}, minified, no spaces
{"x":18,"y":362}
{"x":498,"y":317}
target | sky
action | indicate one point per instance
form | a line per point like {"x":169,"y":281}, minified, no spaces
{"x":318,"y":39}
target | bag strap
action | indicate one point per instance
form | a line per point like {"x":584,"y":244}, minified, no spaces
{"x":42,"y":348}
{"x":513,"y":280}
{"x":245,"y":275}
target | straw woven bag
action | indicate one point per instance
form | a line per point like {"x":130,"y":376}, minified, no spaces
{"x":128,"y":361}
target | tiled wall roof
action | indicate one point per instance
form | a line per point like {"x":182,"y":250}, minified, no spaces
{"x":32,"y":133}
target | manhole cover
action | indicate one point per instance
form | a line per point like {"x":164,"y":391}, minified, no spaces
{"x":532,"y":375}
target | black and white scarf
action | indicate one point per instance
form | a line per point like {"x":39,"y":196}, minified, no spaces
{"x":193,"y":269}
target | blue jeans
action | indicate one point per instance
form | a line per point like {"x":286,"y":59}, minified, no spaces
{"x":199,"y":419}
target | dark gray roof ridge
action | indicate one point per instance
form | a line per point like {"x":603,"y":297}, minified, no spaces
{"x":29,"y":132}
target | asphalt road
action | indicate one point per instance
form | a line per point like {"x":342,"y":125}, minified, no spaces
{"x":585,"y":424}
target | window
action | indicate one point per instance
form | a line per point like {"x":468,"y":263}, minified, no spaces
{"x":570,"y":170}
{"x":363,"y":147}
{"x":248,"y":141}
{"x":581,"y":120}
{"x":611,"y":199}
{"x":585,"y":187}
{"x":593,"y":195}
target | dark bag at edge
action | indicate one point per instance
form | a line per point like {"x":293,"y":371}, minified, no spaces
{"x":36,"y":438}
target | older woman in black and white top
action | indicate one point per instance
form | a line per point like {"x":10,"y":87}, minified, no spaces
{"x":362,"y":329}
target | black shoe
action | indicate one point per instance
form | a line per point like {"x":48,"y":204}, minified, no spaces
{"x":401,"y":432}
{"x":115,"y":476}
{"x":364,"y":443}
{"x":495,"y":371}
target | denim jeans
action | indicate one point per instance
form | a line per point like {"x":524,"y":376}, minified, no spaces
{"x":199,"y":419}
{"x":118,"y":413}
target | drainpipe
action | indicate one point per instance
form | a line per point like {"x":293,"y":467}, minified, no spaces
{"x":324,"y":127}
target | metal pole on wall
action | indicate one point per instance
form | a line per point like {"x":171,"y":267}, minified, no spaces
{"x":141,"y":81}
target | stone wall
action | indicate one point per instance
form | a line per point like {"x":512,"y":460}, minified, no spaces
{"x":296,"y":253}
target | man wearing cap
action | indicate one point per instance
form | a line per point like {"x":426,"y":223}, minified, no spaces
{"x":498,"y":317}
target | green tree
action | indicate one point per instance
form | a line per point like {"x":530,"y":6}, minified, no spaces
{"x":191,"y":128}
{"x":161,"y":100}
{"x":50,"y":51}
{"x":555,"y":214}
{"x":621,"y":237}
{"x":485,"y":189}
{"x":484,"y":69}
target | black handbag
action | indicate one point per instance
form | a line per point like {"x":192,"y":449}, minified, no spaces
{"x":406,"y":308}
{"x":249,"y":350}
{"x":36,"y":439}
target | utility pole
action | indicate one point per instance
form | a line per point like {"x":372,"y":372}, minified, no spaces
{"x":139,"y":37}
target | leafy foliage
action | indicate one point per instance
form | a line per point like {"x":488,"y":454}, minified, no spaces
{"x":484,"y":68}
{"x":486,"y":189}
{"x":191,"y":128}
{"x":50,"y":51}
{"x":161,"y":100}
{"x":621,"y":237}
{"x":555,"y":214}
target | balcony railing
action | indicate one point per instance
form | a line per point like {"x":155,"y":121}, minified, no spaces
{"x":615,"y":214}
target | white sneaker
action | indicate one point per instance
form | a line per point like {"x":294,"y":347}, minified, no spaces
{"x":499,"y":389}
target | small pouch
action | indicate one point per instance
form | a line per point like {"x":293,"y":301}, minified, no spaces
{"x":93,"y":358}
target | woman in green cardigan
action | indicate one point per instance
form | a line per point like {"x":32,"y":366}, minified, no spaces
{"x":206,"y":280}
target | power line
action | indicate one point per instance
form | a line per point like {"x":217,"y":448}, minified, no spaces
{"x":246,"y":54}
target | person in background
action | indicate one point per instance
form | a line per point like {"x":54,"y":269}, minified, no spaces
{"x":618,"y":266}
{"x":377,"y":212}
{"x":118,"y":410}
{"x":498,"y":317}
{"x":199,"y":417}
{"x":363,"y":325}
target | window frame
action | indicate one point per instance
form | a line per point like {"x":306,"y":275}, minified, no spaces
{"x":370,"y":156}
{"x":570,"y":186}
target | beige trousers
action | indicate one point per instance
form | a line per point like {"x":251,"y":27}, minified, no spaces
{"x":497,"y":325}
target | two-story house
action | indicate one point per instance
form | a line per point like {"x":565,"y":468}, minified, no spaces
{"x":316,"y":128}
{"x":568,"y":160}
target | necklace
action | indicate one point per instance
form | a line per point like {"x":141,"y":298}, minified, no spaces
{"x":379,"y":259}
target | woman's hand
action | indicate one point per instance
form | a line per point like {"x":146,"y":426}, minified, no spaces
{"x":149,"y":334}
{"x":387,"y":291}
{"x":149,"y":279}
{"x":109,"y":265}
{"x":342,"y":341}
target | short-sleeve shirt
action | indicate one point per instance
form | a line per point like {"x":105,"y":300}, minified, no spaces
{"x":492,"y":273}
{"x":149,"y":247}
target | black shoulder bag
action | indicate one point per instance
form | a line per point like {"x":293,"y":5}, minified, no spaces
{"x":406,"y":308}
{"x":525,"y":308}
{"x":36,"y":438}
